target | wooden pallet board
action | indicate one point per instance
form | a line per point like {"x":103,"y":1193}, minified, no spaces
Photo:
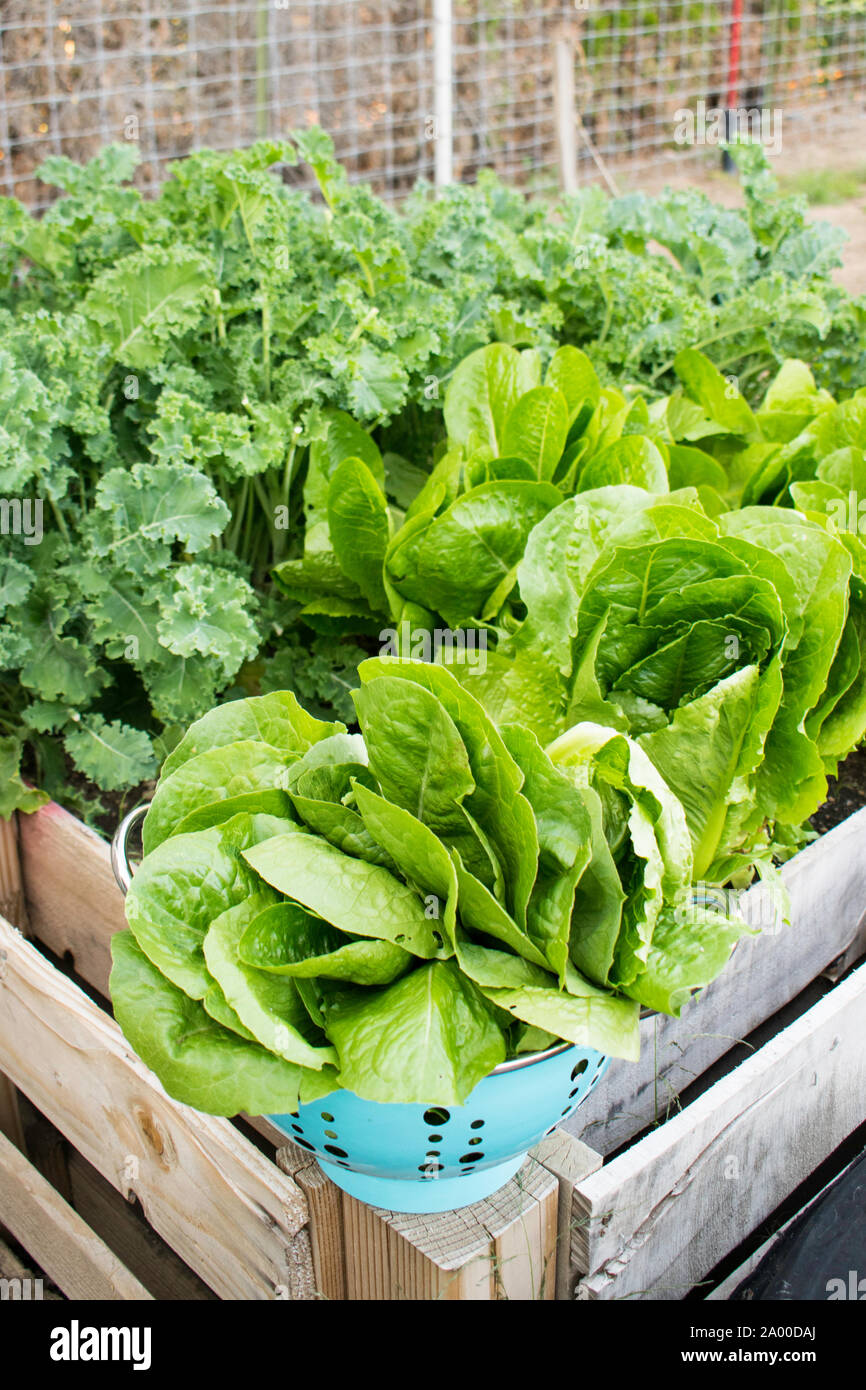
{"x":73,"y":902}
{"x":651,"y":1222}
{"x":64,"y":1246}
{"x":827,"y":884}
{"x":221,"y":1204}
{"x":655,"y":1220}
{"x":125,"y":1231}
{"x":570,"y":1162}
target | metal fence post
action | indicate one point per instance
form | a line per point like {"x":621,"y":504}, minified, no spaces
{"x":566,"y":117}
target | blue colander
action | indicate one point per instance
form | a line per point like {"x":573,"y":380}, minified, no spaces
{"x":423,"y":1158}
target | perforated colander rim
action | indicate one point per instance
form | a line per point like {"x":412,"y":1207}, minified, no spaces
{"x":531,"y":1058}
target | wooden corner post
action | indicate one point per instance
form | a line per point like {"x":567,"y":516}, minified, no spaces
{"x":502,"y":1247}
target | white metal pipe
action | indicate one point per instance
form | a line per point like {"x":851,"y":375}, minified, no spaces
{"x":443,"y":90}
{"x":565,"y":103}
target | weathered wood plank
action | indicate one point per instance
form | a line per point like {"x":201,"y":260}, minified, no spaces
{"x":827,"y":883}
{"x":326,"y":1218}
{"x":26,"y":1283}
{"x":72,"y":899}
{"x":526,"y":1251}
{"x":570,"y":1162}
{"x":58,"y":1240}
{"x":12,"y":907}
{"x":220,"y":1204}
{"x":124,"y":1230}
{"x":656,"y":1219}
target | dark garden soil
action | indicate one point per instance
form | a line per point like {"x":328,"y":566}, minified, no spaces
{"x":847,"y":793}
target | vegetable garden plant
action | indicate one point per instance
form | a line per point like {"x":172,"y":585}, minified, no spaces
{"x":397,"y":911}
{"x":273,"y":436}
{"x":181,"y":375}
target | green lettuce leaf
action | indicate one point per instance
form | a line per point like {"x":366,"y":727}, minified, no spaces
{"x":199,"y":1062}
{"x":183,"y":885}
{"x":286,"y":940}
{"x":215,"y":785}
{"x":492,"y":798}
{"x":429,"y":1038}
{"x":481,"y":396}
{"x":359,"y":528}
{"x":266,"y":1004}
{"x":585,"y":1015}
{"x":276,"y":719}
{"x":361,"y":899}
{"x":690,"y":947}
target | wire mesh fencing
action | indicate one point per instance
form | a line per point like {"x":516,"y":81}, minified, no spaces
{"x":793,"y":71}
{"x":175,"y":75}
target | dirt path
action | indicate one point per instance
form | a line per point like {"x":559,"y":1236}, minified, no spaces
{"x":725,"y":189}
{"x":851,"y":217}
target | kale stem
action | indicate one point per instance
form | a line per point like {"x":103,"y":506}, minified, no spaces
{"x":368,"y":277}
{"x":58,"y":517}
{"x":266,"y":343}
{"x":608,"y":313}
{"x":268,"y":509}
{"x":238,"y":510}
{"x":361,"y":325}
{"x":261,"y":493}
{"x":288,"y":471}
{"x":248,"y":530}
{"x":221,"y":323}
{"x":699,"y":347}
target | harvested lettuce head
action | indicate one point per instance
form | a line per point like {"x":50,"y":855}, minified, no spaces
{"x":398,"y":911}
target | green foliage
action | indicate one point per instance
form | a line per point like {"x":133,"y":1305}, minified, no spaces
{"x":234,"y":377}
{"x":387,"y":966}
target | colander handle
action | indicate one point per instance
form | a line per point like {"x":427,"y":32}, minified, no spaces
{"x":120,"y":865}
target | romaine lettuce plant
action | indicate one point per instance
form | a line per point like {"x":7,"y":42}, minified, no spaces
{"x":628,"y":569}
{"x":395,"y":912}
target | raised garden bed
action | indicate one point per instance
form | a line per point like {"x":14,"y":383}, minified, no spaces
{"x":689,"y":1172}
